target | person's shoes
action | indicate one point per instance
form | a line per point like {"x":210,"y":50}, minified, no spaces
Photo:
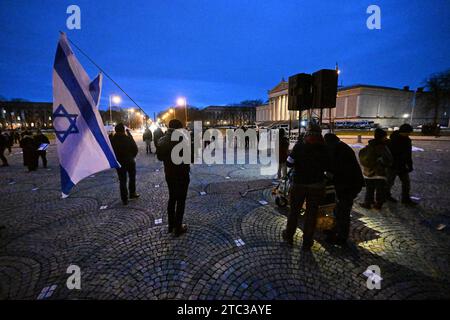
{"x":391,"y":199}
{"x":377,"y":206}
{"x":125,"y":202}
{"x":365,"y":205}
{"x":285,"y":237}
{"x":134,"y":196}
{"x":170,"y":229}
{"x":408,"y":202}
{"x":181,"y":230}
{"x":5,"y":165}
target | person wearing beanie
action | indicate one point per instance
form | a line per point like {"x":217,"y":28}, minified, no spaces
{"x":177,"y":178}
{"x":375,"y":159}
{"x":401,"y":148}
{"x":126,"y":150}
{"x":310,"y":160}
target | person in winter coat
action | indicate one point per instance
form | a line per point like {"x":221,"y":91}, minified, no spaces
{"x":348,"y":182}
{"x":148,"y":137}
{"x":310,"y":160}
{"x":40,"y":139}
{"x":126,"y":150}
{"x":177,"y":178}
{"x":375,"y":159}
{"x":29,"y":149}
{"x":4,"y":143}
{"x":401,"y":149}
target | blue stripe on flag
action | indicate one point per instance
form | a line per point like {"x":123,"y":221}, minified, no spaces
{"x":62,"y":67}
{"x":66,"y":183}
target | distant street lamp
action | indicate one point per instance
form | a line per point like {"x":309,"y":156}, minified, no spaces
{"x":131,"y":110}
{"x":183,"y":102}
{"x":116,"y":100}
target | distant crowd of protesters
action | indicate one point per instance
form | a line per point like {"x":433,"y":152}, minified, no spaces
{"x":33,"y":146}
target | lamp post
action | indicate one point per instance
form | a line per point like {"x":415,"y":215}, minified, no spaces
{"x":115,"y":99}
{"x":183,"y":102}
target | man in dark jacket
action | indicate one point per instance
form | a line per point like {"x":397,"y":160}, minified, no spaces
{"x":40,"y":139}
{"x":29,"y":149}
{"x":310,"y":161}
{"x":348,"y":182}
{"x":375,"y":159}
{"x":148,"y":137}
{"x":401,"y":149}
{"x":126,"y":150}
{"x":4,"y":143}
{"x":177,"y":178}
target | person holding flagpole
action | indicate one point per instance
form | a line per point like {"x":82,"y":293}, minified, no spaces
{"x":126,"y":151}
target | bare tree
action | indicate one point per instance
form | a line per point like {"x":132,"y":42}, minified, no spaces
{"x":439,"y":87}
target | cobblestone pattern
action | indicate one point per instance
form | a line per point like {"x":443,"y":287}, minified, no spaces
{"x":233,"y":249}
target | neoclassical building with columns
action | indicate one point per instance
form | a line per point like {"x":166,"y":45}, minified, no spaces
{"x":384,"y":106}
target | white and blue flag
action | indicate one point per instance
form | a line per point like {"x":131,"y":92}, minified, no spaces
{"x":82,"y":142}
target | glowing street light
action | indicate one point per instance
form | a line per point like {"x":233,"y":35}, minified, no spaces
{"x":116,"y":100}
{"x":406,"y":115}
{"x":181,"y":101}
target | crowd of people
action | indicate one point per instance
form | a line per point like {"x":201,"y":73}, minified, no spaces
{"x":34,"y":146}
{"x":316,"y":159}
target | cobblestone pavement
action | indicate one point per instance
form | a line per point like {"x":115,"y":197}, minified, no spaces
{"x":233,"y":249}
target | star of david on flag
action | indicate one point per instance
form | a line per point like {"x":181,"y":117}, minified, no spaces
{"x":62,"y":130}
{"x":82,"y":142}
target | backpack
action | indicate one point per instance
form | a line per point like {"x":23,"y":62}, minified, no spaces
{"x":368,"y":157}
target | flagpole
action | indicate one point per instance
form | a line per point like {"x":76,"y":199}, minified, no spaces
{"x":104,"y":72}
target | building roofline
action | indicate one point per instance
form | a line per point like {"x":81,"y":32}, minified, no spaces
{"x":355,"y":86}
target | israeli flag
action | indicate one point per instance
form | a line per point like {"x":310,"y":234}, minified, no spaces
{"x":82,"y":142}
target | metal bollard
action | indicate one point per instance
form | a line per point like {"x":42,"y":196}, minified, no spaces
{"x":359,"y":139}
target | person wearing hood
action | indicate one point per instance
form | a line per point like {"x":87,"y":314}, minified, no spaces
{"x":401,"y":148}
{"x":375,"y":159}
{"x":177,"y":178}
{"x":126,"y":150}
{"x":310,"y":160}
{"x":348,"y":182}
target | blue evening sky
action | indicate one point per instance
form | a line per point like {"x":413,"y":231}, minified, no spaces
{"x":216,"y":52}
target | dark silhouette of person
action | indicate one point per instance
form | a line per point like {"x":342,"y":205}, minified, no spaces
{"x":157,"y":134}
{"x":29,"y":149}
{"x":177,"y":178}
{"x":401,"y":149}
{"x":348,"y":182}
{"x":4,"y":143}
{"x":282,"y":154}
{"x":148,"y":137}
{"x":375,"y":159}
{"x":126,"y":150}
{"x":40,"y":139}
{"x":310,"y":160}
